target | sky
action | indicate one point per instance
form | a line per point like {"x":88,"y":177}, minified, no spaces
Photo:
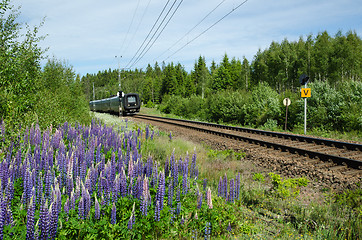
{"x":94,"y":35}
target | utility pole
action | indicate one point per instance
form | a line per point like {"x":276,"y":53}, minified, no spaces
{"x":93,"y":92}
{"x":305,"y":93}
{"x":119,"y":73}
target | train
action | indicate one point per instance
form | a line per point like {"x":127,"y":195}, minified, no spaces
{"x":121,"y":104}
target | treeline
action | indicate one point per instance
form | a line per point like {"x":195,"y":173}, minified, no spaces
{"x":251,"y":93}
{"x":29,"y":93}
{"x":323,"y":58}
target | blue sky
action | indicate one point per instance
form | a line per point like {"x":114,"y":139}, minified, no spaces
{"x":88,"y":34}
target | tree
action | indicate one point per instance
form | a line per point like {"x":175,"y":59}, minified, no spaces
{"x":19,"y":64}
{"x":321,"y":54}
{"x":245,"y":73}
{"x":201,"y":76}
{"x":222,"y":79}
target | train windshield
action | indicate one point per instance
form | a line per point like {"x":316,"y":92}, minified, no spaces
{"x":131,"y":99}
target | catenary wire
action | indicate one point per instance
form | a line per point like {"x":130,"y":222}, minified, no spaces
{"x":159,"y":33}
{"x":159,"y":16}
{"x":207,"y":15}
{"x":152,"y":37}
{"x":206,"y":29}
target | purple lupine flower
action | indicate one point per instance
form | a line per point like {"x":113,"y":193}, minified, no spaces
{"x":208,"y":197}
{"x":152,"y":134}
{"x":27,"y":185}
{"x":178,"y":194}
{"x":123,"y":184}
{"x":130,"y":187}
{"x":199,"y":200}
{"x":157,"y":211}
{"x":69,"y":183}
{"x":174,"y":173}
{"x":116,"y":188}
{"x":113,"y":167}
{"x":87,"y":202}
{"x":170,"y":193}
{"x":3,"y":212}
{"x":193,"y":165}
{"x":229,"y":228}
{"x":145,"y":197}
{"x":132,"y":220}
{"x":178,"y":208}
{"x":161,"y":190}
{"x":182,"y":221}
{"x":139,"y":188}
{"x":172,"y":213}
{"x":30,"y":220}
{"x":147,"y":131}
{"x":53,"y":220}
{"x":167,"y":168}
{"x":97,"y":211}
{"x":44,"y":220}
{"x":100,"y":183}
{"x":88,"y":183}
{"x":72,"y":201}
{"x":130,"y":169}
{"x":114,"y":214}
{"x":207,"y":230}
{"x":204,"y":184}
{"x":220,"y":188}
{"x":77,"y":188}
{"x":231,"y":194}
{"x":66,"y":206}
{"x":81,"y":208}
{"x":83,"y":169}
{"x":225,"y":186}
{"x":170,"y":136}
{"x":149,"y":166}
{"x":9,"y":190}
{"x":184,"y":184}
{"x":9,"y":216}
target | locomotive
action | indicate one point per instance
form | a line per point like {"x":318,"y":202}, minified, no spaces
{"x":121,"y":104}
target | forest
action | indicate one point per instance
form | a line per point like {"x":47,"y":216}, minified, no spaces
{"x":251,"y":93}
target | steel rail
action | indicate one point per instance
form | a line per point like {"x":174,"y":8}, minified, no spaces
{"x":311,"y":154}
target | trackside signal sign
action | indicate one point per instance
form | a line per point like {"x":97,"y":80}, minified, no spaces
{"x":306,"y":92}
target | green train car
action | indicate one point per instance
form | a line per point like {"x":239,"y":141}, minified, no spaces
{"x":122,"y":104}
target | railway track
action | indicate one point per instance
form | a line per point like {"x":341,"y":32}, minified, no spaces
{"x":335,"y":155}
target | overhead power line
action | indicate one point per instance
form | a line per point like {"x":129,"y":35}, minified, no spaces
{"x":148,"y":46}
{"x":203,"y":19}
{"x":206,"y":29}
{"x":159,"y":33}
{"x":158,"y":18}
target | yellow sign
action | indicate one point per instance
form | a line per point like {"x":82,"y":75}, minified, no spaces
{"x":306,"y":92}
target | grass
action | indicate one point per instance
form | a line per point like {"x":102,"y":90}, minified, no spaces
{"x":261,"y":212}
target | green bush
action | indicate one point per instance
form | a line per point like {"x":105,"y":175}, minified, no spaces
{"x":264,"y":105}
{"x":227,"y":106}
{"x":192,"y":107}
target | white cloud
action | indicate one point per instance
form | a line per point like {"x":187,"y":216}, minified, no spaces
{"x":90,"y":33}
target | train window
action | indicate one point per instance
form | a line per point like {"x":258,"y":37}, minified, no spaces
{"x":131,"y":99}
